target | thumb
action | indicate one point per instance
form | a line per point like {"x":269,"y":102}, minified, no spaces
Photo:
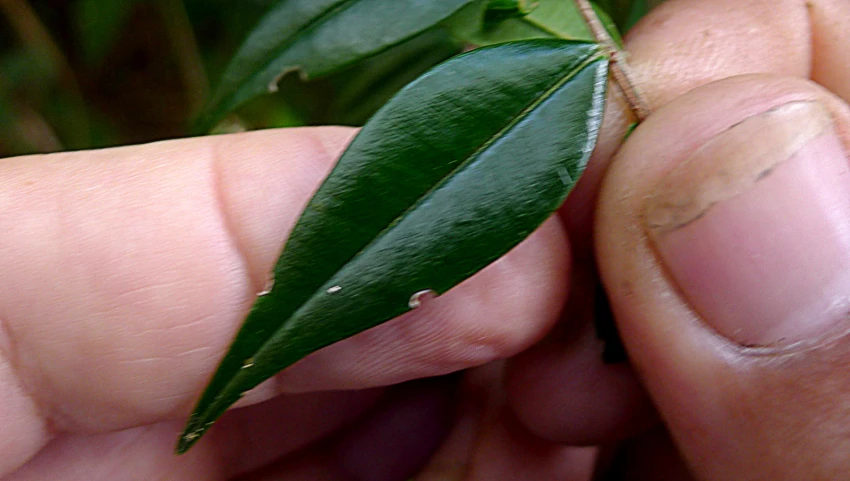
{"x":723,"y":238}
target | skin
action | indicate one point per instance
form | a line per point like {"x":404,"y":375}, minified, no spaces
{"x":126,"y":272}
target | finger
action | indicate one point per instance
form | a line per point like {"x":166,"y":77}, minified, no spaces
{"x":138,"y":453}
{"x":504,"y":449}
{"x":830,"y":20}
{"x":649,"y":457}
{"x":389,"y":444}
{"x":681,"y":45}
{"x":243,"y":441}
{"x":127,"y":271}
{"x":122,"y":283}
{"x":505,"y":308}
{"x":564,"y":392}
{"x":723,"y":240}
{"x":487,"y":442}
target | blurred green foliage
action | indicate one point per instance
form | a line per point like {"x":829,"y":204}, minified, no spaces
{"x":94,"y":73}
{"x":90,"y":73}
{"x":79,"y":74}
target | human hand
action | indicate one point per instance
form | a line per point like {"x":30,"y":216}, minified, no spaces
{"x":126,"y":272}
{"x":722,"y":239}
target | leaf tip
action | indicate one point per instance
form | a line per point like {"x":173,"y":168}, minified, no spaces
{"x":195,"y":429}
{"x":186,"y":441}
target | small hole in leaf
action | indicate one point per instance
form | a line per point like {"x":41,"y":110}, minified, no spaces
{"x":417,"y":299}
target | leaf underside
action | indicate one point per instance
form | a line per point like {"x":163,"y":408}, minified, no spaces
{"x":457,"y":169}
{"x":316,"y":38}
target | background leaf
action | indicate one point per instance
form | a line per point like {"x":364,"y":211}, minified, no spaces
{"x":317,"y":37}
{"x":98,"y":24}
{"x":549,"y":19}
{"x":625,"y":13}
{"x":367,"y":87}
{"x":451,"y":174}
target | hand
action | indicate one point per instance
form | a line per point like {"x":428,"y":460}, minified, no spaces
{"x":722,"y":239}
{"x":126,"y":272}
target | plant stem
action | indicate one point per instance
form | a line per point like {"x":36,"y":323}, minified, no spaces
{"x":619,"y":66}
{"x":34,"y":130}
{"x":32,"y":32}
{"x":186,"y":52}
{"x":34,"y":35}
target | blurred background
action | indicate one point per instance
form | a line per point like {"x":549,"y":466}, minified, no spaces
{"x":78,"y":74}
{"x":94,"y":73}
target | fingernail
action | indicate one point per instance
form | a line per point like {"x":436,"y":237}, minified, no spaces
{"x":754,"y":227}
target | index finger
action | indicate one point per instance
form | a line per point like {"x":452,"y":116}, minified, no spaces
{"x":124,"y":272}
{"x":127,"y":271}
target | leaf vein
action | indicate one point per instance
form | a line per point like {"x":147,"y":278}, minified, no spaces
{"x":470,"y":159}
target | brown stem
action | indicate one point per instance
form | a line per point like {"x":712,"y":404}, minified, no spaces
{"x":33,"y":129}
{"x":619,"y":66}
{"x":186,"y":52}
{"x":35,"y":37}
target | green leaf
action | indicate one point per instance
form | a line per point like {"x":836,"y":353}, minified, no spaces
{"x":550,"y":19}
{"x":318,"y":37}
{"x":479,"y":25}
{"x":453,"y":172}
{"x":625,"y":13}
{"x":98,"y":23}
{"x":365,"y":89}
{"x":640,"y":8}
{"x":501,"y":9}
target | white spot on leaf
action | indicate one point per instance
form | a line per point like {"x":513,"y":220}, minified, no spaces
{"x":334,"y":289}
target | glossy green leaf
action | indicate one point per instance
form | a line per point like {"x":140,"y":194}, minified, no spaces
{"x":318,"y":37}
{"x":478,"y":25}
{"x":458,"y":168}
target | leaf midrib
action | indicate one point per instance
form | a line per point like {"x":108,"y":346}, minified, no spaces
{"x":522,"y":115}
{"x":470,"y":159}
